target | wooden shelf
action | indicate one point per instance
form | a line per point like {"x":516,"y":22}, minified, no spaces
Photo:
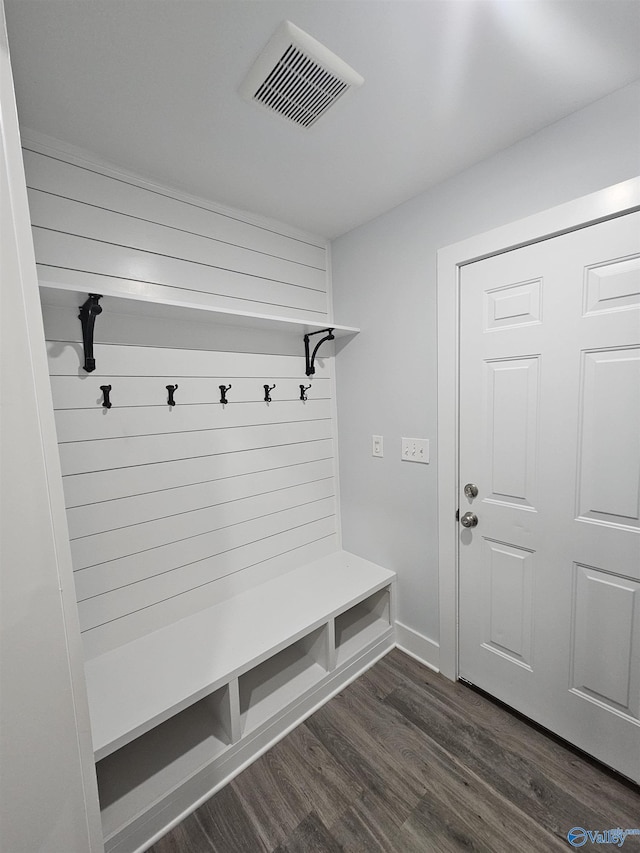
{"x":142,"y":303}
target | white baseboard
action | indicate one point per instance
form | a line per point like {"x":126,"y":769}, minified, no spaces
{"x":418,"y":646}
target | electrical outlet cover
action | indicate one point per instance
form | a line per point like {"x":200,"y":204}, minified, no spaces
{"x":415,"y":450}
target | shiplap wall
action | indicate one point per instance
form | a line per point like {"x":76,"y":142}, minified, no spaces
{"x":173,"y":509}
{"x":97,"y":231}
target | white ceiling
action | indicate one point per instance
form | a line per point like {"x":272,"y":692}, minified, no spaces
{"x":152,"y":86}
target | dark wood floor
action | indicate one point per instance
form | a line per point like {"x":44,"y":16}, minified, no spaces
{"x":404,"y":760}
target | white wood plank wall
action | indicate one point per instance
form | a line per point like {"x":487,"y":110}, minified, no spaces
{"x":174,"y":509}
{"x":104,"y":230}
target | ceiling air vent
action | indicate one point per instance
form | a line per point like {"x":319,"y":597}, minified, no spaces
{"x":297,"y":77}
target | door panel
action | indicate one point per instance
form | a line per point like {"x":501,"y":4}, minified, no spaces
{"x":549,"y":579}
{"x":609,"y":420}
{"x":517,"y":304}
{"x":512,"y":406}
{"x":605,"y":642}
{"x":508,"y":585}
{"x":613,"y":286}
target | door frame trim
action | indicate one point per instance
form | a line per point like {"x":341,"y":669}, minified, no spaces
{"x":598,"y":206}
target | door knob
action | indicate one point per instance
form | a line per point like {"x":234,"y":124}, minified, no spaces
{"x":469,"y":519}
{"x":471,"y":491}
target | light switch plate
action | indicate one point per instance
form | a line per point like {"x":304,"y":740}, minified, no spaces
{"x":415,"y":450}
{"x":377,"y":445}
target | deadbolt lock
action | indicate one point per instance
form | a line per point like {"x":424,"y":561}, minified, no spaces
{"x":471,"y":491}
{"x":469,"y":519}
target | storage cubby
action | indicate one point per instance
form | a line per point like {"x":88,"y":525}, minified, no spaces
{"x":282,"y":679}
{"x":135,"y":777}
{"x":362,"y":624}
{"x":177,"y":712}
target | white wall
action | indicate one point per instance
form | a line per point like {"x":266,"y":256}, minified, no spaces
{"x":384,"y":276}
{"x":48,"y":797}
{"x":174,"y":509}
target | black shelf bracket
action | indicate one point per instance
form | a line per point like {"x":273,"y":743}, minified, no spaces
{"x":88,"y":313}
{"x":310,"y":360}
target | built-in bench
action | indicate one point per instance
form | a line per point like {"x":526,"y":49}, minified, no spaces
{"x":178,"y":712}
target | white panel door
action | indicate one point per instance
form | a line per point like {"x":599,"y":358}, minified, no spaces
{"x":550,"y":434}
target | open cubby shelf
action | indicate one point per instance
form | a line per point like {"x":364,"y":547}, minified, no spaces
{"x":362,"y":624}
{"x":183,"y":708}
{"x":272,"y":685}
{"x":139,"y":774}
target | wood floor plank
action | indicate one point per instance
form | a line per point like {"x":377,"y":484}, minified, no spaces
{"x":406,"y":761}
{"x":375,"y":769}
{"x":367,"y":825}
{"x":320,"y":780}
{"x":223,"y":821}
{"x":187,"y":837}
{"x":569,"y":768}
{"x":310,"y":836}
{"x":270,"y":801}
{"x":516,"y":766}
{"x":591,"y":784}
{"x":384,"y":678}
{"x":462,"y":812}
{"x":450,"y":783}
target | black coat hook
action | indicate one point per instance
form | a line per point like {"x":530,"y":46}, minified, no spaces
{"x":106,"y":402}
{"x":267,"y":392}
{"x":303,"y":392}
{"x":171,"y":389}
{"x":223,"y":393}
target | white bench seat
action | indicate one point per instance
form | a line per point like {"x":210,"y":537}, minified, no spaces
{"x":137,"y":686}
